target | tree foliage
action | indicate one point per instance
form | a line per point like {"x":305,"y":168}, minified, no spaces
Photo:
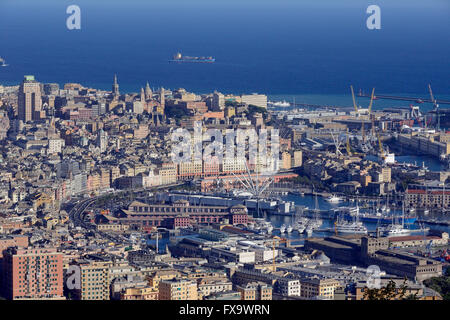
{"x":440,"y":284}
{"x":389,"y":292}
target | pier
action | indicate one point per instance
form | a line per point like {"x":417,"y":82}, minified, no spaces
{"x":413,"y":99}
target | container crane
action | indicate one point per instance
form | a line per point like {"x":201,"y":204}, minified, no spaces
{"x":357,"y":112}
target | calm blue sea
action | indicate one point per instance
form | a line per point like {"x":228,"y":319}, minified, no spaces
{"x":278,"y":47}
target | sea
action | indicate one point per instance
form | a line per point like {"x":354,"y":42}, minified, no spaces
{"x":308,"y":50}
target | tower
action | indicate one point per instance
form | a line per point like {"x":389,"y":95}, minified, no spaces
{"x":162,"y":100}
{"x":115,"y":87}
{"x":143,"y":99}
{"x":102,"y":140}
{"x":148,"y":92}
{"x":29,"y":100}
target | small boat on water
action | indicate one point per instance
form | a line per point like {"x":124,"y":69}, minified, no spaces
{"x":334,"y":199}
{"x":282,"y":104}
{"x":3,"y":62}
{"x":283,"y":228}
{"x":289,"y":229}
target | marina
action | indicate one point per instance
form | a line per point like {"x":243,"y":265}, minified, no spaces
{"x":298,"y":217}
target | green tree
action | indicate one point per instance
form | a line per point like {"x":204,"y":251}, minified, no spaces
{"x":389,"y":292}
{"x":440,"y":284}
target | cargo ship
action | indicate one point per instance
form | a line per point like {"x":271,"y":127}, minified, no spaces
{"x":180,"y":58}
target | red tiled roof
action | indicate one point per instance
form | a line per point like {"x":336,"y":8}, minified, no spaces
{"x":420,"y":191}
{"x":410,"y":238}
{"x":414,"y":191}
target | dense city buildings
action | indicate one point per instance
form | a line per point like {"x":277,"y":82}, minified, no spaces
{"x":95,"y":206}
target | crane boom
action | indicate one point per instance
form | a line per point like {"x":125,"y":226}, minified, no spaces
{"x":431,"y":94}
{"x":354,"y":101}
{"x":349,"y":152}
{"x":381,"y":146}
{"x":371,"y":100}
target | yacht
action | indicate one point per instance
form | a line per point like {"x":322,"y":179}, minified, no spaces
{"x":334,"y":199}
{"x":355,"y":227}
{"x":269,"y":228}
{"x":315,"y":223}
{"x":309,"y":231}
{"x":283,"y":228}
{"x":395,"y":230}
{"x":289,"y":229}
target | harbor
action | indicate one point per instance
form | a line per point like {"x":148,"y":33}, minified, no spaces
{"x":298,"y":217}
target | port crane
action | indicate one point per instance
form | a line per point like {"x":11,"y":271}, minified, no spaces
{"x":280,"y":240}
{"x":349,"y":151}
{"x":380,"y":145}
{"x":358,"y":112}
{"x":436,"y":108}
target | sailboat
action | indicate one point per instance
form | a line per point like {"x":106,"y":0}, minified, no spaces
{"x":353,"y":227}
{"x":396,"y":229}
{"x":316,"y":222}
{"x":289,"y":229}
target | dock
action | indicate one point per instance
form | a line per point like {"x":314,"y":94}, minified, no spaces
{"x":413,"y":99}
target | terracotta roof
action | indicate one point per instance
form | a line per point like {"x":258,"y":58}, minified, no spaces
{"x":410,"y":238}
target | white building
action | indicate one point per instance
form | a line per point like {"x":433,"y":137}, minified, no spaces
{"x":55,"y":146}
{"x":289,"y":287}
{"x":259,"y":100}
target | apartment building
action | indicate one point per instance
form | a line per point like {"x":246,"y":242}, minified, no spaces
{"x":178,"y":289}
{"x":95,"y":280}
{"x":255,"y":291}
{"x":32,"y":273}
{"x":321,"y":288}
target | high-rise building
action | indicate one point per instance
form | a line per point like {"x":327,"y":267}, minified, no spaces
{"x":162,"y":98}
{"x":115,"y":87}
{"x":30,"y":100}
{"x":95,"y":280}
{"x":4,"y":125}
{"x":102,"y":140}
{"x":33,"y":273}
{"x":297,"y":158}
{"x":218,"y":101}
